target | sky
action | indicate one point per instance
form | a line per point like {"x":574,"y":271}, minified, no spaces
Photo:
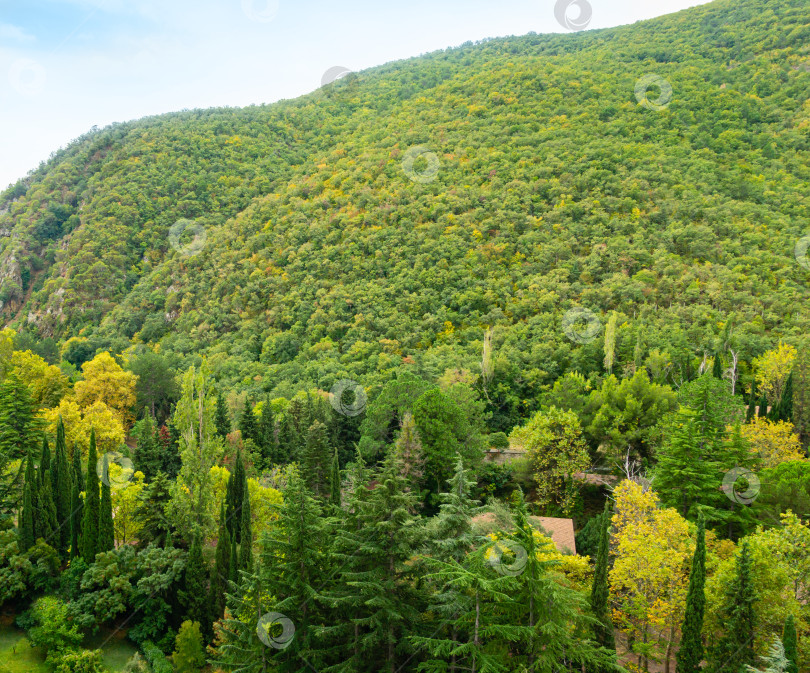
{"x":69,"y":65}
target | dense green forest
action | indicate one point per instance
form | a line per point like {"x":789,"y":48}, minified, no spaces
{"x":257,"y":362}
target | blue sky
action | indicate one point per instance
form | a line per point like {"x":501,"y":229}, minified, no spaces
{"x":69,"y":65}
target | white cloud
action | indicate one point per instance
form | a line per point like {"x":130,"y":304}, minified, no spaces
{"x":14,"y":33}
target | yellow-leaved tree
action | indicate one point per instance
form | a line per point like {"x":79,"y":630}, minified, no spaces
{"x":125,"y":496}
{"x":78,"y":423}
{"x":650,"y":574}
{"x":772,"y":370}
{"x":47,"y":384}
{"x":104,"y":380}
{"x":773,"y":442}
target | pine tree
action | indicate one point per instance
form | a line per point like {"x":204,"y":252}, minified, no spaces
{"x":222,"y":567}
{"x":246,"y":537}
{"x":735,"y":648}
{"x":27,"y":535}
{"x":690,"y":653}
{"x":62,"y":488}
{"x":48,"y":528}
{"x":193,"y":596}
{"x":88,"y":543}
{"x":222,"y":419}
{"x":600,"y":595}
{"x":316,"y":460}
{"x":334,"y":481}
{"x":790,"y":643}
{"x":106,"y":530}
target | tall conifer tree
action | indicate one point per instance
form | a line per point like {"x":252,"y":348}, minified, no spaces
{"x":62,"y":487}
{"x":246,"y":537}
{"x":193,"y":595}
{"x":690,"y":653}
{"x":90,"y":512}
{"x":600,"y":593}
{"x":790,"y":643}
{"x":48,"y":524}
{"x":106,"y":530}
{"x":222,"y":566}
{"x":27,"y":534}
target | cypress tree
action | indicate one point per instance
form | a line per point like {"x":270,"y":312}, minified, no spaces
{"x":603,"y":631}
{"x":222,"y":567}
{"x":763,"y":406}
{"x":222,"y":421}
{"x":247,"y":423}
{"x":233,"y":563}
{"x":48,"y":524}
{"x":267,"y":435}
{"x":106,"y":531}
{"x":334,"y":481}
{"x":735,"y":648}
{"x":27,"y":538}
{"x":246,"y":536}
{"x":238,"y":496}
{"x":717,"y":367}
{"x":194,"y":593}
{"x":76,"y":503}
{"x":790,"y":643}
{"x":690,"y":653}
{"x":62,"y":487}
{"x":90,"y":514}
{"x":752,"y":402}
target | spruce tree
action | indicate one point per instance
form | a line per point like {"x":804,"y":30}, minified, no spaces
{"x":246,"y":537}
{"x":193,"y":595}
{"x":790,"y":643}
{"x":600,"y":594}
{"x":451,"y":535}
{"x":88,"y":543}
{"x":62,"y":488}
{"x":150,"y":514}
{"x":106,"y":531}
{"x":222,"y":567}
{"x":735,"y":647}
{"x":27,"y":534}
{"x":48,"y":524}
{"x":690,"y":653}
{"x":222,"y":419}
{"x":334,"y":481}
{"x":316,"y":460}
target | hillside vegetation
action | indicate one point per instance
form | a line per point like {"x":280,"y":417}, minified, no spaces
{"x":555,"y":189}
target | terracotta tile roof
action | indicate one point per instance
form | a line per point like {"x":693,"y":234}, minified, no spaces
{"x":560,"y":530}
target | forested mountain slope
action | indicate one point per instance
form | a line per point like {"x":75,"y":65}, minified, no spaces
{"x":555,"y":188}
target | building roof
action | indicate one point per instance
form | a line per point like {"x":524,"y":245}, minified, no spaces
{"x":561,"y":532}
